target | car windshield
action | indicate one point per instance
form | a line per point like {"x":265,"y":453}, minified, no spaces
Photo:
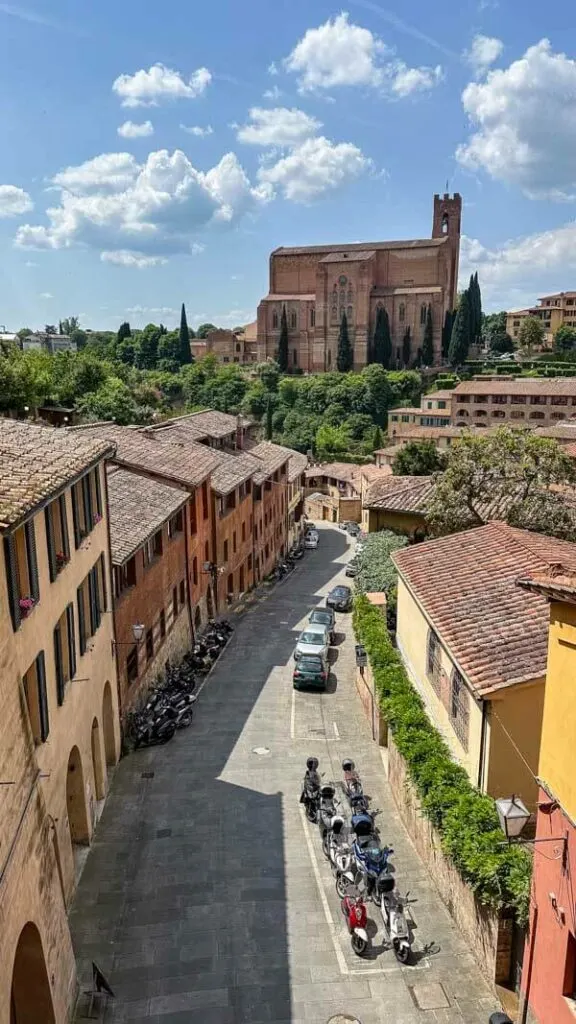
{"x":310,"y":665}
{"x":312,"y":638}
{"x":341,"y":591}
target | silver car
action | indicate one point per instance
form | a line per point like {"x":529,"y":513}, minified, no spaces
{"x":314,"y":639}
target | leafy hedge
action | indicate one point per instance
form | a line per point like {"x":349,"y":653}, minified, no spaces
{"x":466,"y":820}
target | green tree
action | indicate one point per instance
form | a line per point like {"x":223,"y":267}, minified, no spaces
{"x":502,"y":344}
{"x":79,"y":337}
{"x":283,"y":342}
{"x":377,"y":439}
{"x":381,"y":348}
{"x":269,"y":418}
{"x":511,"y":471}
{"x":123,"y":332}
{"x":406,"y":346}
{"x":24,"y":332}
{"x":269,"y":374}
{"x":147,"y":351}
{"x":332,"y":442}
{"x":50,"y":329}
{"x":184,"y":350}
{"x":69,"y":325}
{"x":203,"y":330}
{"x":377,"y":394}
{"x":531,"y":334}
{"x":428,"y":342}
{"x":169,"y":352}
{"x":345,"y":354}
{"x":461,"y":332}
{"x":418,"y":458}
{"x":376,"y":570}
{"x":113,"y":401}
{"x":475,"y":301}
{"x":447,"y":332}
{"x":565,"y":339}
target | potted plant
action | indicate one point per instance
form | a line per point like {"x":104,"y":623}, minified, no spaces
{"x":26,"y":605}
{"x":61,"y":560}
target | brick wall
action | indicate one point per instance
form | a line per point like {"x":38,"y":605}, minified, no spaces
{"x":234,"y":549}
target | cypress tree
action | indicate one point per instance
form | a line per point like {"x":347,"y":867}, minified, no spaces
{"x":478,"y":294}
{"x":283,"y":343}
{"x":377,"y":439}
{"x":123,"y":331}
{"x":447,"y":332}
{"x":461,"y":332}
{"x":345,"y":354}
{"x":381,"y":349}
{"x":269,"y":419}
{"x":428,"y":342}
{"x":406,"y":348}
{"x":184,"y":350}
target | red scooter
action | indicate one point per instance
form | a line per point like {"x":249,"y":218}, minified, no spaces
{"x":355,"y":915}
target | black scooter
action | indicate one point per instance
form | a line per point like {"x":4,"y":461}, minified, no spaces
{"x":310,"y":795}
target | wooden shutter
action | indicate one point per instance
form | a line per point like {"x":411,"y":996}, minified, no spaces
{"x":97,"y":491}
{"x":76,"y":517}
{"x":64,"y":526}
{"x":94,"y":599}
{"x":103,"y":579}
{"x":42,"y":697}
{"x":12,"y":581}
{"x":60,"y":681}
{"x":88,"y":511}
{"x":30,"y":536}
{"x":71,"y":640}
{"x":81,"y":619}
{"x":48,"y":513}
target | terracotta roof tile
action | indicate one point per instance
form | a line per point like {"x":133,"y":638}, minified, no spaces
{"x":565,"y":430}
{"x":297,"y":462}
{"x":519,"y":386}
{"x":37,"y":462}
{"x":185,"y":464}
{"x":400,"y":493}
{"x":496,"y":631}
{"x":272,"y":456}
{"x":138,"y":507}
{"x":233,"y":470}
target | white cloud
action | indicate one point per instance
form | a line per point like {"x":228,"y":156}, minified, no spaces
{"x":272,"y":94}
{"x":483,"y":52}
{"x":149,"y":88}
{"x":46,"y":295}
{"x":14,"y":201}
{"x":131,"y":130}
{"x":30,"y":263}
{"x":272,"y":69}
{"x":129,"y":258}
{"x":337,"y":53}
{"x":406,"y":81}
{"x":138,"y":310}
{"x":198,"y":130}
{"x":525,"y":118}
{"x":108,"y":172}
{"x":277,"y":126}
{"x":314,"y":168}
{"x":517,"y":272}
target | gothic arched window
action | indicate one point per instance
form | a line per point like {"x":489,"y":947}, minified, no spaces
{"x":274,"y":320}
{"x":445,"y":224}
{"x":423,"y":311}
{"x":293,"y":320}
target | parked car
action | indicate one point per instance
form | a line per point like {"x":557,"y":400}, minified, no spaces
{"x":310,"y":526}
{"x":311,"y":540}
{"x":310,"y":671}
{"x":314,"y":639}
{"x":326,"y":617}
{"x":353,"y":529}
{"x":352,"y":568}
{"x":340,"y":599}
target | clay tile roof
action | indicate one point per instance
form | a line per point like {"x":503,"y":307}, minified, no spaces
{"x":400,"y":493}
{"x":37,"y":462}
{"x":442,"y":395}
{"x":516,"y":386}
{"x":357,"y":255}
{"x":565,"y":430}
{"x":557,"y":584}
{"x":290,"y":296}
{"x":408,"y":408}
{"x":413,"y":243}
{"x":215,"y":424}
{"x":232,"y":471}
{"x":185,"y":464}
{"x":138,"y":507}
{"x":297,"y":462}
{"x":271,"y":456}
{"x":466,"y":584}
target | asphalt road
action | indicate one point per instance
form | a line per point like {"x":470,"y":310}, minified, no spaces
{"x":206,"y":898}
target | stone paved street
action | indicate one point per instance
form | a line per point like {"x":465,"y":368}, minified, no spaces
{"x":206,"y":897}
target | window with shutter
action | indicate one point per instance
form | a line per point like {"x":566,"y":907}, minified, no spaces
{"x":81,"y":618}
{"x":48,"y":513}
{"x":103,"y":591}
{"x":88,"y":509}
{"x":71,"y":640}
{"x":30,"y":535}
{"x":64,"y":526}
{"x":12,"y":581}
{"x":42,"y":697}
{"x":60,"y":681}
{"x":98,"y":492}
{"x":76,"y":517}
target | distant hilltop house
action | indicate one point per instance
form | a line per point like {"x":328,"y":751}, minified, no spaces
{"x":553,"y":311}
{"x":237,"y":346}
{"x":49,"y":342}
{"x":317,"y":284}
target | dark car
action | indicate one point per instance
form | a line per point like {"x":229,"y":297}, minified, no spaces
{"x":326,"y":617}
{"x":351,"y":568}
{"x":340,"y":599}
{"x":311,"y":671}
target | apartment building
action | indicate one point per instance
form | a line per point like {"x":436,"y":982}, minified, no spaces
{"x":58,"y":688}
{"x":433,"y":412}
{"x":521,"y":402}
{"x":233,"y":525}
{"x":553,"y":311}
{"x":270,"y":489}
{"x":149,"y":531}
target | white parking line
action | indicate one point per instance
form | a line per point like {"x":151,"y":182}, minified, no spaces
{"x":336,"y":733}
{"x":293,"y":715}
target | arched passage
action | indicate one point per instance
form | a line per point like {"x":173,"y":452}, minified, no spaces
{"x":97,"y":762}
{"x":30,"y":996}
{"x":76,"y":800}
{"x":108,"y":726}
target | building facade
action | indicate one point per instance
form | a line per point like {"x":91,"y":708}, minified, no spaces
{"x":317,"y":284}
{"x":520,"y":402}
{"x":238,"y":346}
{"x":60,"y":703}
{"x":553,"y":311}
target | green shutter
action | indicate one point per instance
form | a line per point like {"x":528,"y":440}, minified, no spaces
{"x":48,"y":512}
{"x":103,"y":578}
{"x":42,"y":697}
{"x":98,"y":491}
{"x":60,"y":681}
{"x":81,"y":620}
{"x":64,"y":526}
{"x":76,"y":518}
{"x":12,"y":581}
{"x":71,"y":640}
{"x":87,"y":494}
{"x":30,"y":535}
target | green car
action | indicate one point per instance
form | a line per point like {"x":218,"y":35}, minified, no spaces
{"x":311,"y":671}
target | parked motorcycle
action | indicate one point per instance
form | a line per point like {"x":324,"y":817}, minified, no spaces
{"x":353,"y":790}
{"x":394,"y":918}
{"x":310,"y":795}
{"x":326,"y":809}
{"x":335,"y":845}
{"x":356,"y":917}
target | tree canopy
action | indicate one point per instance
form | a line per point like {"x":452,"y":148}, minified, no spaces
{"x":184,"y":350}
{"x":345,"y":354}
{"x":565,"y":339}
{"x":418,"y":458}
{"x":531,"y":333}
{"x":461,"y":332}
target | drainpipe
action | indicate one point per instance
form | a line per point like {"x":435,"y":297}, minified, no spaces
{"x":483,"y":741}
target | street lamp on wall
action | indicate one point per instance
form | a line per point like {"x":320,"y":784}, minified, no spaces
{"x":138,"y":630}
{"x":514,"y":815}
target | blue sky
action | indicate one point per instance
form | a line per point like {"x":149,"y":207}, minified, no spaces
{"x":312,"y":123}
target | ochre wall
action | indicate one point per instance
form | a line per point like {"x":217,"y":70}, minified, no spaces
{"x":400,"y":522}
{"x":515,"y":719}
{"x":226,"y":526}
{"x":559,"y":721}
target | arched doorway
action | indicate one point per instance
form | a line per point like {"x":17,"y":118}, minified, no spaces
{"x":97,"y":762}
{"x":30,"y":996}
{"x":76,"y":800}
{"x":108,"y":726}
